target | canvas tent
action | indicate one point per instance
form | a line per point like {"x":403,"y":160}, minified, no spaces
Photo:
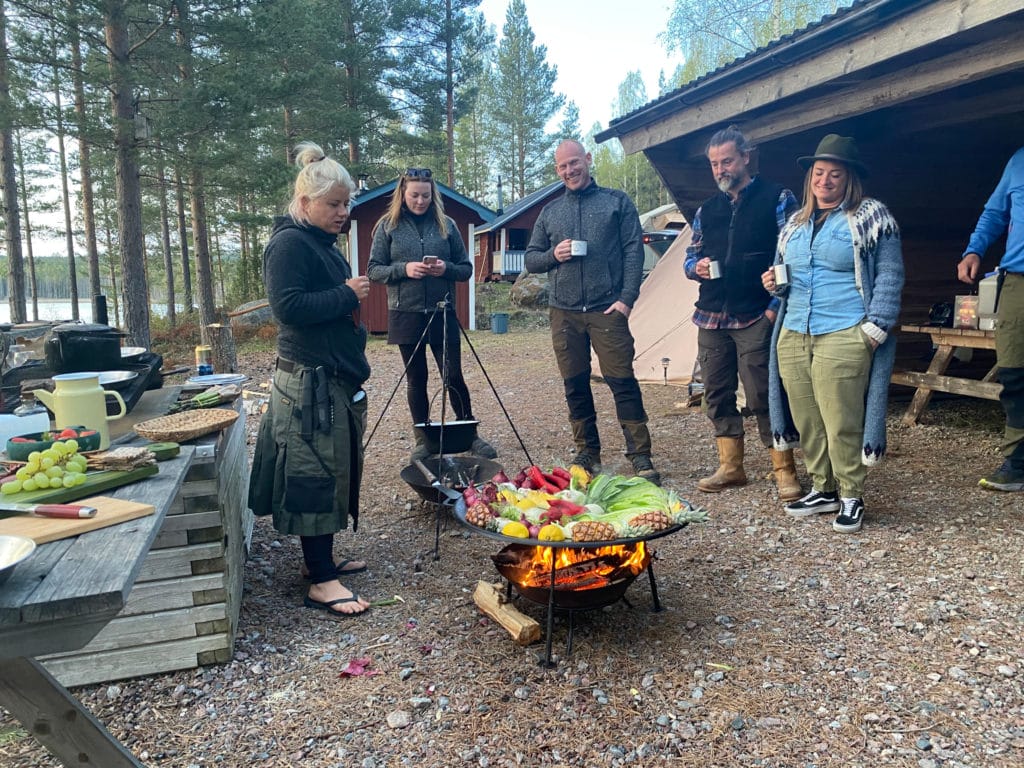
{"x":661,"y":320}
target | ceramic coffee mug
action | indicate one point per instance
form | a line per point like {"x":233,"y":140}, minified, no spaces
{"x":781,"y":275}
{"x":578,"y":247}
{"x":714,"y":270}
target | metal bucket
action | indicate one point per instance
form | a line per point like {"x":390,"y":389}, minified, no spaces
{"x":457,"y":436}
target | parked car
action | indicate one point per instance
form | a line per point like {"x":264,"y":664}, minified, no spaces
{"x":656,"y":243}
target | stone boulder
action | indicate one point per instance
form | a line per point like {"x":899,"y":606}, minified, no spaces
{"x":530,"y":291}
{"x":252,"y":314}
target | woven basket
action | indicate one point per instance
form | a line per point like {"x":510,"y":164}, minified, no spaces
{"x":187,"y":425}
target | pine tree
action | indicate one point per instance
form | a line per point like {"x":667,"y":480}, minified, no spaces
{"x":521,"y":100}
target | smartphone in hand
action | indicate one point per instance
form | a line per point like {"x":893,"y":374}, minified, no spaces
{"x":430,"y":260}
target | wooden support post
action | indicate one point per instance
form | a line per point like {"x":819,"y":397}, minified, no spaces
{"x":225,"y":356}
{"x":490,"y":600}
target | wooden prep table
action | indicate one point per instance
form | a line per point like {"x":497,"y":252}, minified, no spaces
{"x":183,"y":610}
{"x":61,"y":598}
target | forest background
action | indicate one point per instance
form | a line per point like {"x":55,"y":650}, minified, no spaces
{"x":168,"y":126}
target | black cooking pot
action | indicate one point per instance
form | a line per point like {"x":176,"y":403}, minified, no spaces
{"x":74,"y":347}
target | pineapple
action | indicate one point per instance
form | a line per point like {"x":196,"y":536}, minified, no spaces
{"x":650,"y":521}
{"x":479,"y":514}
{"x":591,"y":530}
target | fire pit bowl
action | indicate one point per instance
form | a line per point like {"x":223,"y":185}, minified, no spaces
{"x":456,"y":472}
{"x":584,"y":578}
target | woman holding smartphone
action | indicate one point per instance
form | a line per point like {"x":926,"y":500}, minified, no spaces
{"x":418,"y":254}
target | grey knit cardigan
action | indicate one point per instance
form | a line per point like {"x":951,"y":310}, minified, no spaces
{"x":878,"y":271}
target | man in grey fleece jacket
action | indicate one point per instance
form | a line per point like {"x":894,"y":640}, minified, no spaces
{"x":590,"y":243}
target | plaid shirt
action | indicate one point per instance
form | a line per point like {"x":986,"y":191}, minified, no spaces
{"x":786,"y":207}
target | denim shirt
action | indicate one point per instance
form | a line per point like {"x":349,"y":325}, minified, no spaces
{"x":823,"y":295}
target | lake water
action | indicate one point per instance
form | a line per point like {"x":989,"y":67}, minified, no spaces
{"x":60,"y":309}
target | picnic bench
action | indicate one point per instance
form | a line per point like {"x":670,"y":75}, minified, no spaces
{"x":936,"y":379}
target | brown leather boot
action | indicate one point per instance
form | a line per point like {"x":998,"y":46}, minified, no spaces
{"x":784,"y":470}
{"x":730,"y":472}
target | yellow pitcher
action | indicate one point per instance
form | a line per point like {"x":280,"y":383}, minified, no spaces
{"x":79,"y":400}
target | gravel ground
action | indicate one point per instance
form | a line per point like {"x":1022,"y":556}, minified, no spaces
{"x":782,"y":643}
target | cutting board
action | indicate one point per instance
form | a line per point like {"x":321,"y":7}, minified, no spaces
{"x":109,"y":511}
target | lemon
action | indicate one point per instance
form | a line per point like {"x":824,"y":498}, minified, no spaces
{"x":551,"y":532}
{"x":516,"y":530}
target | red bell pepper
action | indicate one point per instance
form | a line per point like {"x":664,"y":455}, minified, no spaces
{"x":539,"y":481}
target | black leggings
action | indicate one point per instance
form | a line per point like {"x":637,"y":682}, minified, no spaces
{"x":318,"y":552}
{"x":416,"y":371}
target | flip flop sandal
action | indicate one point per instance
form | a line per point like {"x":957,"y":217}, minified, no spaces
{"x":339,"y":569}
{"x":328,"y":606}
{"x":342,"y":571}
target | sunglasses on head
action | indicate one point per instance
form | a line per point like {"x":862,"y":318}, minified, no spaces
{"x":418,"y":173}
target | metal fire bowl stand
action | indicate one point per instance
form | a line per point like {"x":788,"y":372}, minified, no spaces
{"x":460,"y":515}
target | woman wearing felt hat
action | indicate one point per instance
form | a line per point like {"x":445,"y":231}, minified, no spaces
{"x":832,"y":353}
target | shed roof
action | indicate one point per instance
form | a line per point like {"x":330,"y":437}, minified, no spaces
{"x":449,"y":194}
{"x":536,"y":197}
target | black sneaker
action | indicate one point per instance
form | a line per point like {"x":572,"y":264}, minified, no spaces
{"x":588,"y":461}
{"x":814,"y":503}
{"x":851,"y":517}
{"x":644,"y":467}
{"x":1006,"y":478}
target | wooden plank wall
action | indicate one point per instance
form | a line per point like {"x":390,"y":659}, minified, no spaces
{"x":183,"y":611}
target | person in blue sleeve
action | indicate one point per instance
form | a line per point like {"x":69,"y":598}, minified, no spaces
{"x":737,"y":229}
{"x":1004,"y":214}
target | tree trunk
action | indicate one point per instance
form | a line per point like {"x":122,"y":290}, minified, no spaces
{"x":197,"y":191}
{"x":165,"y":242}
{"x":84,"y":159}
{"x":8,"y":177}
{"x":449,"y":92}
{"x":69,"y":235}
{"x":129,"y":194}
{"x":201,"y":240}
{"x":33,"y":286}
{"x":348,"y":33}
{"x":187,"y":298}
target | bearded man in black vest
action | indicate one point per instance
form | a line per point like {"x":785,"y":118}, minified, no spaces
{"x":734,"y":238}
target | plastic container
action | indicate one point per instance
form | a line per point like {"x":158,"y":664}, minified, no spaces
{"x":499,"y":322}
{"x":987,"y":294}
{"x":12,"y":425}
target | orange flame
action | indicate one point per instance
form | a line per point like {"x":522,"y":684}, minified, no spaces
{"x":608,"y":562}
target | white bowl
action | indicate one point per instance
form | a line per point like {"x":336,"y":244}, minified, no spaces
{"x":13,"y":549}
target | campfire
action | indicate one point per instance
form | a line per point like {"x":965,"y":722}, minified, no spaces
{"x":582,"y":578}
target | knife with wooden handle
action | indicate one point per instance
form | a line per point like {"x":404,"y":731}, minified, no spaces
{"x":70,"y":511}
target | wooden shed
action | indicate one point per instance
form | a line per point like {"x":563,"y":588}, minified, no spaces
{"x":933,"y":91}
{"x":500,"y":246}
{"x":368,"y":207}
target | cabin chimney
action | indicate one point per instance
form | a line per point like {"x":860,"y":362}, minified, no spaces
{"x":501,"y":201}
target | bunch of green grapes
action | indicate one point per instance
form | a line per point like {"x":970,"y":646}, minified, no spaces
{"x":59,"y":466}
